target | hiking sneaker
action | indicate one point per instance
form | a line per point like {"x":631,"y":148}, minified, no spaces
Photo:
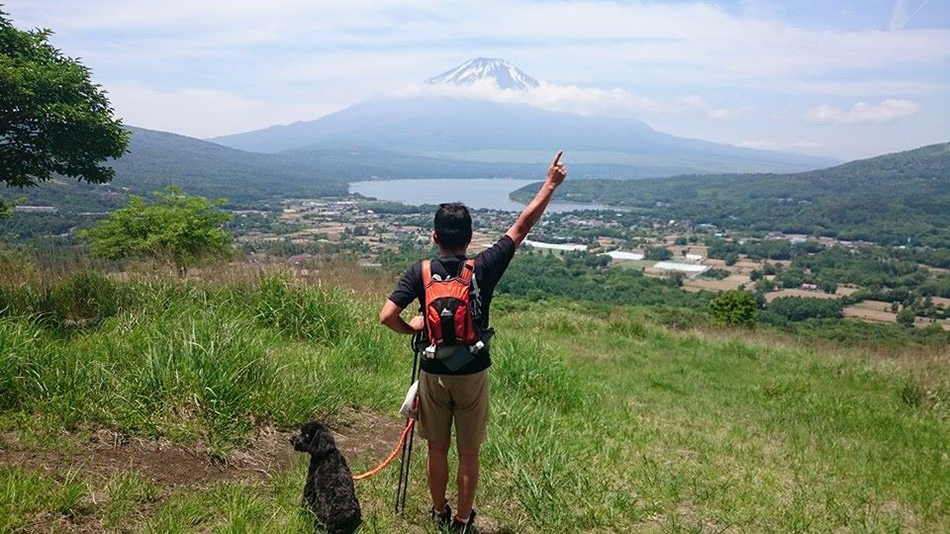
{"x":467,"y":527}
{"x":443,"y":519}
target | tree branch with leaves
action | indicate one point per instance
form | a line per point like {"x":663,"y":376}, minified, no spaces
{"x":53,"y":120}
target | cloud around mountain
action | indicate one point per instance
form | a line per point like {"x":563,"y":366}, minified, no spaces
{"x":496,"y":80}
{"x":488,"y":111}
{"x":888,"y":110}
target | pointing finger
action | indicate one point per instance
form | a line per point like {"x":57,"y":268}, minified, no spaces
{"x":557,"y":158}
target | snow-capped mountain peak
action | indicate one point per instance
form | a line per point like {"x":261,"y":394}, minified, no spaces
{"x":504,"y":74}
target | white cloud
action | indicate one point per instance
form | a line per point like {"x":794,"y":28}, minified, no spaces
{"x":206,"y":112}
{"x":698,"y":104}
{"x":723,"y":113}
{"x":213,"y":66}
{"x":574,"y":99}
{"x":888,"y":110}
{"x":901,"y":14}
{"x":792,"y":146}
{"x":862,"y":87}
{"x":694,"y":41}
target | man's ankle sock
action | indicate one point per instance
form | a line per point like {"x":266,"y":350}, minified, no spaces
{"x":460,"y":520}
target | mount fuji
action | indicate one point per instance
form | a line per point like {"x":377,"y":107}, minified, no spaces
{"x":447,"y":129}
{"x":503,"y":74}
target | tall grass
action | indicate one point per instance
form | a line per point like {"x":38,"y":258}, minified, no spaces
{"x":601,"y":421}
{"x":188,"y":360}
{"x":307,"y":312}
{"x":25,"y":494}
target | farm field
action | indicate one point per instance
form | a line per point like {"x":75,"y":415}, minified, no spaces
{"x":115,"y":388}
{"x":726,"y":284}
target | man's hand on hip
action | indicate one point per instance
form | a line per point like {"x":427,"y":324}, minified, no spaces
{"x":417,"y":323}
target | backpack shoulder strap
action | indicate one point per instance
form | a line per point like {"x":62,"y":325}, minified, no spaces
{"x":468,"y":271}
{"x":426,"y":272}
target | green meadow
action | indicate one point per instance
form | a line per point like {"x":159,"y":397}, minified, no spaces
{"x":602,"y":419}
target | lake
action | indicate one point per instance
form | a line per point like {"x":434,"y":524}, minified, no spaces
{"x":483,"y":193}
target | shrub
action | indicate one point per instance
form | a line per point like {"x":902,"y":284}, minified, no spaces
{"x":717,"y":274}
{"x":906,"y":317}
{"x":801,"y":308}
{"x":734,"y":308}
{"x":764,"y":285}
{"x":183,"y":228}
{"x":658,"y":254}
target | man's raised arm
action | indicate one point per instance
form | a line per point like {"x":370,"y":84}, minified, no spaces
{"x":532,"y":213}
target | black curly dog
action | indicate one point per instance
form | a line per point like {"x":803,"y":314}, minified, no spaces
{"x":329,"y":490}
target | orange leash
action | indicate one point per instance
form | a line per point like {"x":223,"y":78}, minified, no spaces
{"x":392,"y":455}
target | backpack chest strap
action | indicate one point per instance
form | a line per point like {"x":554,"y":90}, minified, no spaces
{"x":426,"y":272}
{"x":468,"y":271}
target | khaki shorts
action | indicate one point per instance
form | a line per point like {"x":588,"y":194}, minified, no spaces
{"x":463,"y":398}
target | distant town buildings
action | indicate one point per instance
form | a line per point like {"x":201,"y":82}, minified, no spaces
{"x":35,"y":209}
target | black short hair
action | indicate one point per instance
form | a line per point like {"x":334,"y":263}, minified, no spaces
{"x":453,"y":226}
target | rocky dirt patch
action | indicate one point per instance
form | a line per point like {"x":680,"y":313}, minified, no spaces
{"x":103,"y":452}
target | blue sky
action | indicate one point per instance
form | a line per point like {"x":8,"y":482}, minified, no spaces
{"x":848,"y":79}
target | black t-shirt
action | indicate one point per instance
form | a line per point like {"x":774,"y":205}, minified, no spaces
{"x":490,"y":264}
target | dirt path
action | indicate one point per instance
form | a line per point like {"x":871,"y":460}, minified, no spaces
{"x":104,"y":453}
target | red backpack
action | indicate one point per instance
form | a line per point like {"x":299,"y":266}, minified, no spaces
{"x":447,"y":312}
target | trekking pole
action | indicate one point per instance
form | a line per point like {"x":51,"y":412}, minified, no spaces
{"x":404,"y":462}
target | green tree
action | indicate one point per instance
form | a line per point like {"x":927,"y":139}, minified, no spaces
{"x":716,"y":274}
{"x":53,"y":119}
{"x":764,"y":285}
{"x":906,"y":317}
{"x":801,"y":308}
{"x":658,"y":254}
{"x":737,"y":308}
{"x":828,"y":286}
{"x":176,"y":226}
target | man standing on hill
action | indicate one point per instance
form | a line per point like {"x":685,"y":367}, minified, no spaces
{"x":455,"y":387}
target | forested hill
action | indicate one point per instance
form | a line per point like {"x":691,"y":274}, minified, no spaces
{"x":156,"y":159}
{"x":893,"y":199}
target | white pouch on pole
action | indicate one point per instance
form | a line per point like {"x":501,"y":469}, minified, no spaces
{"x":409,"y":407}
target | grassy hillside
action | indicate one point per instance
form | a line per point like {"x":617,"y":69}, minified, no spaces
{"x":601,"y":420}
{"x":892,"y":199}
